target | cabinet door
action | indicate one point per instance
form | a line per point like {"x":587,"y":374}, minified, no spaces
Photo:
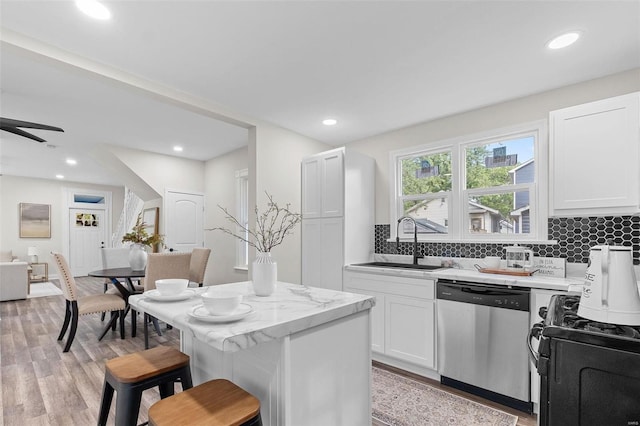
{"x":333,"y":184}
{"x":312,"y":187}
{"x":377,"y":312}
{"x":322,"y":253}
{"x":594,"y":156}
{"x":410,"y":330}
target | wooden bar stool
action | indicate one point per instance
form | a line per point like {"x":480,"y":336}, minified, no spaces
{"x":131,"y":374}
{"x":214,"y":403}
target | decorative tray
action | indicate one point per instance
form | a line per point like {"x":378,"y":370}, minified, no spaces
{"x":506,"y":272}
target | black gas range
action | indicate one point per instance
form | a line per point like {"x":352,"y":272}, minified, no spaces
{"x":589,"y":371}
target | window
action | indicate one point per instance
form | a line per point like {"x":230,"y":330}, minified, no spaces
{"x":242,"y":213}
{"x":483,"y":187}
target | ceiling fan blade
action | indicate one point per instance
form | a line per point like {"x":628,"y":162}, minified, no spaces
{"x":11,"y":125}
{"x":19,"y":132}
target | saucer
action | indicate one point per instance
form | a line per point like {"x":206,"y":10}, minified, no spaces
{"x":199,"y":312}
{"x":158,"y":297}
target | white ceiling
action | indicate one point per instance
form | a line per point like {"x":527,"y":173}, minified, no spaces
{"x":374,"y":66}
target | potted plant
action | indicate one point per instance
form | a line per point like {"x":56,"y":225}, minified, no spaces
{"x":140,"y":240}
{"x":272,"y":226}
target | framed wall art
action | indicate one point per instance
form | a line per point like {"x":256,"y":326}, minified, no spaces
{"x":35,"y":220}
{"x":150,"y":218}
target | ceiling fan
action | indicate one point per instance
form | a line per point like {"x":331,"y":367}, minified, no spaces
{"x":11,"y":125}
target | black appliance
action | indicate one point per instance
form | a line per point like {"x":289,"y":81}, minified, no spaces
{"x":589,"y":371}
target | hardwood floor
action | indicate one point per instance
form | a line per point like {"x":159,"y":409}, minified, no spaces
{"x":41,"y":385}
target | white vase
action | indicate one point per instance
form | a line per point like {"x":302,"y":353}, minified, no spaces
{"x":264,"y":274}
{"x":137,"y":257}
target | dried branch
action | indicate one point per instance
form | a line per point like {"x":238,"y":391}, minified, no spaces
{"x":271,"y":226}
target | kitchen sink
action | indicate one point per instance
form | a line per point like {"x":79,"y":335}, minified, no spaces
{"x":398,"y":265}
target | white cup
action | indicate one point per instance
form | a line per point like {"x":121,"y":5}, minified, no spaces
{"x":492,"y":262}
{"x":169,"y":287}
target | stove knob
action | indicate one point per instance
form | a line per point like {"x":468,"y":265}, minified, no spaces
{"x":543,"y":312}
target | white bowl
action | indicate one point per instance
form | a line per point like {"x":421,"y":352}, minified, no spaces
{"x":171,"y":286}
{"x":221,"y":302}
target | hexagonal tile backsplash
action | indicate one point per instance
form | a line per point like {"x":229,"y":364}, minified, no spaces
{"x":575,"y":236}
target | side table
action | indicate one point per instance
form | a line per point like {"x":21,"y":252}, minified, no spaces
{"x":38,"y":273}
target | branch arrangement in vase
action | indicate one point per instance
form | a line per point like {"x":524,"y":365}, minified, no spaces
{"x":139,"y":235}
{"x":272,"y":226}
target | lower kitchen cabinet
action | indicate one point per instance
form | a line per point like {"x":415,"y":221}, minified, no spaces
{"x":404,"y":318}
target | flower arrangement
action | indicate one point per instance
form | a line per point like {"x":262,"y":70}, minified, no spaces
{"x":139,"y":235}
{"x":272,"y":226}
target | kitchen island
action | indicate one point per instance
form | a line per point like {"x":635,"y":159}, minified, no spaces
{"x":304,"y":352}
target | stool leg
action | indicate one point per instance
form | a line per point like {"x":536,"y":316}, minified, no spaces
{"x":127,"y":406}
{"x":185,"y":379}
{"x":105,"y":404}
{"x":166,"y":389}
{"x":134,"y":322}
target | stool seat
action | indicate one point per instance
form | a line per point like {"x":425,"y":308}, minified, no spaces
{"x":140,"y":366}
{"x":129,"y":375}
{"x":215,"y":403}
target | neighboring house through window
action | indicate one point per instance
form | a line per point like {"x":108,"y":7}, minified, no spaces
{"x":477,"y":187}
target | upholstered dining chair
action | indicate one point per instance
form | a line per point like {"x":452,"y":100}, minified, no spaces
{"x":198,"y":265}
{"x":162,"y":266}
{"x":76,"y":306}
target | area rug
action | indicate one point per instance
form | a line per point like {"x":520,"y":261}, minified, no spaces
{"x":43,"y":289}
{"x":400,"y":401}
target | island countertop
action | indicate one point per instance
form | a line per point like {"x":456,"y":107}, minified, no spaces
{"x":290,"y":309}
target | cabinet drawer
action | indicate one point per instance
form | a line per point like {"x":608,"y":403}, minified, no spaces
{"x":401,"y":286}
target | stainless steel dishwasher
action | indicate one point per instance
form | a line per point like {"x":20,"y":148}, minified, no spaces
{"x":482,"y":333}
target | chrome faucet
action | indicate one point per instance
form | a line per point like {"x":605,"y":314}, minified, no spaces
{"x":415,"y":237}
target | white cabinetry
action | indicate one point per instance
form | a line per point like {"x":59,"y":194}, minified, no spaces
{"x":337,"y":215}
{"x":404,"y":319}
{"x":595,"y":158}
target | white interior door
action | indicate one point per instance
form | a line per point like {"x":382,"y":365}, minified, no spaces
{"x":87,"y":234}
{"x":184,"y":223}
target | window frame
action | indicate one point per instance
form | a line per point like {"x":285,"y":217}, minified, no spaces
{"x":242,"y":213}
{"x":458,"y":230}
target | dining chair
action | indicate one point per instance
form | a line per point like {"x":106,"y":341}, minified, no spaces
{"x":76,"y":305}
{"x":162,"y":266}
{"x":198,"y":265}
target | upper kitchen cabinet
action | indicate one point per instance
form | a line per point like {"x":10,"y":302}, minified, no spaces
{"x":323,"y":185}
{"x":337,"y":215}
{"x":595,"y":158}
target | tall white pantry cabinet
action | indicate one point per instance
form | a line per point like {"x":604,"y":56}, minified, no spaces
{"x":337,"y":215}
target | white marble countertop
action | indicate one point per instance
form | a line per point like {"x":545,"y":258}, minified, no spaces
{"x":467,"y":272}
{"x":290,"y":309}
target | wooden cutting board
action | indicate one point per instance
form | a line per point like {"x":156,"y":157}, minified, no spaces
{"x":507,"y":272}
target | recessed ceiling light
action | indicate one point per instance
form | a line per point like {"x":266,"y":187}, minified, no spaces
{"x":94,"y":9}
{"x":177,"y":148}
{"x":564,"y":40}
{"x":329,"y":121}
{"x":60,"y":176}
{"x":71,"y":162}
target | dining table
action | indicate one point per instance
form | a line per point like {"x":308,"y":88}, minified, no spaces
{"x":128,"y":275}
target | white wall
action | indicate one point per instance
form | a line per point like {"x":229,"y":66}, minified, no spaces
{"x":220,"y":183}
{"x":162,"y":172}
{"x":15,"y":190}
{"x":523,"y":110}
{"x":276,"y":169}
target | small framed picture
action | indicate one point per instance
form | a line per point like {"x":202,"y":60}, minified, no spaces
{"x":35,"y":220}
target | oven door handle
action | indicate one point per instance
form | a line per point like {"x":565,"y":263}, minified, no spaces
{"x":534,"y":333}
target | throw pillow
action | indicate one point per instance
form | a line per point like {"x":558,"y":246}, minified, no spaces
{"x":6,"y":256}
